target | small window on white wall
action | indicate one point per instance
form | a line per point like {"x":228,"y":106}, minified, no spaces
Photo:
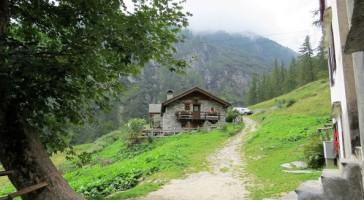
{"x":332,"y":59}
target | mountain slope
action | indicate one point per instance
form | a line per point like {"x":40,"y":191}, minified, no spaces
{"x":221,"y":63}
{"x":287,"y":122}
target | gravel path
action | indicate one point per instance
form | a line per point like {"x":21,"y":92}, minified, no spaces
{"x":226,"y":181}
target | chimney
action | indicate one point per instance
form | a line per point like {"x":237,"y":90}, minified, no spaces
{"x":169,"y":94}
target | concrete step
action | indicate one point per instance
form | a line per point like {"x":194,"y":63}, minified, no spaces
{"x":352,"y":173}
{"x":291,"y":196}
{"x":335,"y":187}
{"x":331,"y":173}
{"x":345,"y":184}
{"x":310,"y":190}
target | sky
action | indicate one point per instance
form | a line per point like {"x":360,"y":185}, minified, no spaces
{"x":284,"y":21}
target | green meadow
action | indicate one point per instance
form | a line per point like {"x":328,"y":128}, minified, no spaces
{"x":285,"y":124}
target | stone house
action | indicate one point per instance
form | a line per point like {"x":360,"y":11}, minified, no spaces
{"x":343,"y":22}
{"x":189,"y":110}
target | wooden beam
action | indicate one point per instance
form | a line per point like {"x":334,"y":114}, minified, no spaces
{"x":6,"y":173}
{"x":26,"y":190}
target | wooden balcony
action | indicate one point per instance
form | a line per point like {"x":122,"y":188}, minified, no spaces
{"x":183,"y":115}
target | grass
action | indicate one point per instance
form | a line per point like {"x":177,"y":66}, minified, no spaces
{"x":5,"y":185}
{"x":224,"y":169}
{"x":118,"y":172}
{"x":283,"y":132}
{"x":194,"y":147}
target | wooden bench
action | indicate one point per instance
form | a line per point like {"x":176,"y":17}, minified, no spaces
{"x":23,"y":191}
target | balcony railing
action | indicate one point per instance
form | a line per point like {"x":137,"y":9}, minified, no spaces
{"x":184,"y":115}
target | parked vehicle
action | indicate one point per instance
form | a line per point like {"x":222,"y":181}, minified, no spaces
{"x":244,"y":111}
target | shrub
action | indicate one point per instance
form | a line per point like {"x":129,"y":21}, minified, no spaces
{"x":130,"y":131}
{"x":231,"y":115}
{"x":313,"y":151}
{"x":290,"y":102}
{"x":285,"y":103}
{"x":224,"y":128}
{"x":150,"y":139}
{"x":281,"y":103}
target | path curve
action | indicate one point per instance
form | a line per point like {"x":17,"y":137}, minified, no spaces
{"x":227,"y":180}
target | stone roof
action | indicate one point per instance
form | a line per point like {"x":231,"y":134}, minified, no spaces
{"x":155,"y":108}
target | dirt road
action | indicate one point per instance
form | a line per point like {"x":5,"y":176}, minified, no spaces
{"x":226,"y":181}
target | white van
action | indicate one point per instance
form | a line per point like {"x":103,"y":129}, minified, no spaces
{"x":244,"y":111}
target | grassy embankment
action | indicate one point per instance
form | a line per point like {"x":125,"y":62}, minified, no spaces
{"x":286,"y":123}
{"x":141,"y":169}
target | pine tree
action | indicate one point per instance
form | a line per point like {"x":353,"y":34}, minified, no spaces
{"x":275,"y":76}
{"x":321,"y":66}
{"x":290,"y":82}
{"x":252,"y":97}
{"x":282,"y":77}
{"x":306,"y":73}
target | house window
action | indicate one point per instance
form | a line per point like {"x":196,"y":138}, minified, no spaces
{"x":187,"y":106}
{"x":332,"y":59}
{"x":196,"y":107}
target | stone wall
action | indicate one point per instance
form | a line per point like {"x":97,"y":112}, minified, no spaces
{"x":156,"y":120}
{"x":169,"y":117}
{"x":170,"y":120}
{"x":207,"y":105}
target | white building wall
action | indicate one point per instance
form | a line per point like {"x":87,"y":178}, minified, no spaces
{"x":358,"y":59}
{"x":343,"y":88}
{"x":338,"y":92}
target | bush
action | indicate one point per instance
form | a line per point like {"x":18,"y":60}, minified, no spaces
{"x":150,"y":139}
{"x":130,"y":131}
{"x":290,"y":102}
{"x":285,"y":103}
{"x":224,"y":128}
{"x":314,"y":151}
{"x":231,"y":115}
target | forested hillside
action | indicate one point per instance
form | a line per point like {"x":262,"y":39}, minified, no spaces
{"x":307,"y":67}
{"x":221,"y":63}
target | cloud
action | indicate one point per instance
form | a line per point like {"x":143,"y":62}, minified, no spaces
{"x":285,"y":21}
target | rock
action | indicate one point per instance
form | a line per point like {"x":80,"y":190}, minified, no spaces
{"x":157,"y":181}
{"x":299,"y":164}
{"x":287,"y":165}
{"x":310,"y":190}
{"x":298,"y":171}
{"x":291,"y":196}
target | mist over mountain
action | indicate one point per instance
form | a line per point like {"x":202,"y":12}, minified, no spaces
{"x":222,"y":63}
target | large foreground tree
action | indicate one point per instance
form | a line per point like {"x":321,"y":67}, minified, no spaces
{"x":62,"y":60}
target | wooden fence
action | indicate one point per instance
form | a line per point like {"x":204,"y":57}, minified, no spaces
{"x":23,"y":191}
{"x":162,"y":133}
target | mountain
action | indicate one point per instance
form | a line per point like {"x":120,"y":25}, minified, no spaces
{"x":222,"y":63}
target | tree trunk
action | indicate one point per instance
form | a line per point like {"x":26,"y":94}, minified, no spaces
{"x":21,"y":150}
{"x":4,"y":16}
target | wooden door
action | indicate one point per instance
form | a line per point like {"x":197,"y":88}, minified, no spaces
{"x":196,"y":111}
